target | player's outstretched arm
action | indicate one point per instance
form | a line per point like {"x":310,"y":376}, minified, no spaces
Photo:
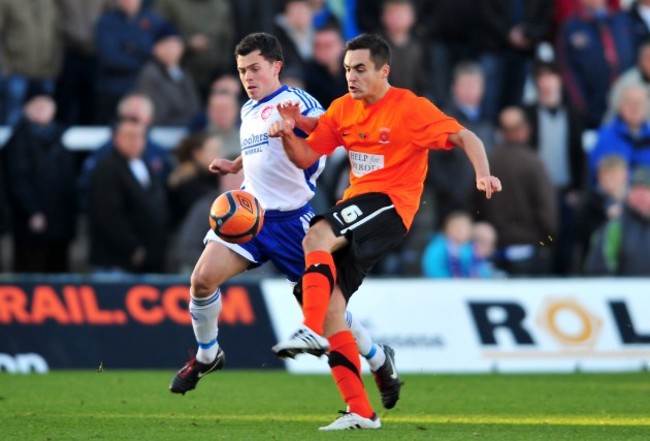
{"x":475,"y":151}
{"x":291,"y":111}
{"x":296,"y":148}
{"x":222,"y":166}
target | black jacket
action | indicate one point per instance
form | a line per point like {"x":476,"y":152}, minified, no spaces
{"x":40,"y":178}
{"x":495,"y":21}
{"x":123,"y":215}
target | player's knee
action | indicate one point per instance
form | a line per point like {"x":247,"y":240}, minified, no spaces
{"x":334,"y":321}
{"x":317,"y":238}
{"x":202,"y":285}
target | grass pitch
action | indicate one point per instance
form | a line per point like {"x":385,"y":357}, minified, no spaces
{"x":270,"y":405}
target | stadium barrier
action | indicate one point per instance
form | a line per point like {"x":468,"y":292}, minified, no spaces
{"x":83,"y":138}
{"x":518,"y":325}
{"x":125,"y":323}
{"x":515,"y":325}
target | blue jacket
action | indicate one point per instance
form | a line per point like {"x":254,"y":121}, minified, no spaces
{"x":615,"y":138}
{"x":439,"y":261}
{"x":587,"y":74}
{"x":123,"y":46}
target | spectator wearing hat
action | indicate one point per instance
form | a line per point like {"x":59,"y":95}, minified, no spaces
{"x":208,"y":30}
{"x":40,"y":176}
{"x":622,"y":246}
{"x":170,"y":87}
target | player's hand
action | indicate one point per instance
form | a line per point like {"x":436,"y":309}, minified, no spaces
{"x":488,"y":184}
{"x":224,"y":166}
{"x":282,"y":128}
{"x":289,"y":110}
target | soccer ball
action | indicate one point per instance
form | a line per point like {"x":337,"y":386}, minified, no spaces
{"x":236,"y":216}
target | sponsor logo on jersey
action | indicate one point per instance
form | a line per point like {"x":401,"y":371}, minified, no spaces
{"x":364,"y":163}
{"x":253,"y":143}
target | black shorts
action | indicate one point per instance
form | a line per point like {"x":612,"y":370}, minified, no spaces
{"x":372,"y":227}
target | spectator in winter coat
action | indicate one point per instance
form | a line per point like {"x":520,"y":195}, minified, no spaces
{"x":30,"y":50}
{"x":41,"y":187}
{"x":170,"y":87}
{"x":525,"y":213}
{"x":628,"y":134}
{"x":594,"y":47}
{"x":127,"y":207}
{"x":124,"y":38}
{"x":622,"y":246}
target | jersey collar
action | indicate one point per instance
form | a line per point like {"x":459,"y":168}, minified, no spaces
{"x":273,"y":95}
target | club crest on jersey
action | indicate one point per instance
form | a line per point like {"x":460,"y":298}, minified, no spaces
{"x":266,"y":112}
{"x":384,"y":135}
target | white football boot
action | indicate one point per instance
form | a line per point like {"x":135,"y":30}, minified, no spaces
{"x":303,"y":341}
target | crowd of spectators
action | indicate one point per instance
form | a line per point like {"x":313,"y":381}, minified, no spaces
{"x":532,"y":78}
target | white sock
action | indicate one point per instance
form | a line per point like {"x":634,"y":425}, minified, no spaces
{"x":205,"y":315}
{"x":373,"y":353}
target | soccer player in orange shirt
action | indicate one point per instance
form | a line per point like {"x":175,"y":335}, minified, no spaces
{"x":387,"y":132}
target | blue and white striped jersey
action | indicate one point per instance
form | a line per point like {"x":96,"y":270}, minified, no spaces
{"x":268,"y":173}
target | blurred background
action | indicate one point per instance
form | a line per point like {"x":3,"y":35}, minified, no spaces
{"x":557,"y":90}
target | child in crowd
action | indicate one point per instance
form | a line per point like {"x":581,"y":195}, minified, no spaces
{"x":605,"y":201}
{"x":484,"y":241}
{"x":450,"y":253}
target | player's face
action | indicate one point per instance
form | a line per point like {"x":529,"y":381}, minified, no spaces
{"x":366,"y":82}
{"x":259,"y":76}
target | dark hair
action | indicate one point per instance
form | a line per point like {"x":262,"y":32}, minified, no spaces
{"x":330,"y":25}
{"x":268,"y":45}
{"x":123,"y":122}
{"x":189,"y":145}
{"x":379,"y":49}
{"x":545,"y":67}
{"x":288,"y":2}
{"x":397,"y":2}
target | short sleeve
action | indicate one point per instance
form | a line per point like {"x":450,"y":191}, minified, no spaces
{"x":325,"y":138}
{"x":429,"y":126}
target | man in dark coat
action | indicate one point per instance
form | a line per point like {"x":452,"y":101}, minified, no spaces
{"x":524,"y":215}
{"x":127,"y":208}
{"x":40,"y":178}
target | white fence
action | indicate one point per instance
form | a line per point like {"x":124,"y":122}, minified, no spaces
{"x":81,"y":138}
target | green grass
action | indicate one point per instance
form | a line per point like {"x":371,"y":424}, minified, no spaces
{"x":255,"y":405}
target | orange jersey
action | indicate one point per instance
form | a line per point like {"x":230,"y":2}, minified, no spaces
{"x":388,"y":144}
